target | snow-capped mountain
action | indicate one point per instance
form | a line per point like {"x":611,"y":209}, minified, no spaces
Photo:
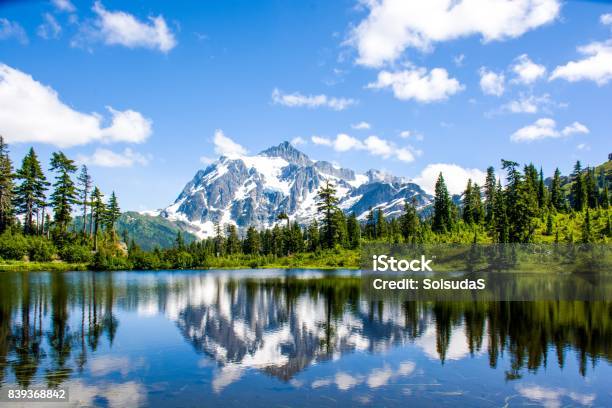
{"x":254,"y":190}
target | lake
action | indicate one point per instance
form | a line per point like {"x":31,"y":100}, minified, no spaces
{"x":265,"y":338}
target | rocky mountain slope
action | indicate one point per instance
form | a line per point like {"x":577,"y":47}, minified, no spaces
{"x":254,"y":190}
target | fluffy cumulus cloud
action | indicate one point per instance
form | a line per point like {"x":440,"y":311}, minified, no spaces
{"x":108,"y":158}
{"x":53,"y":122}
{"x":298,"y":141}
{"x":225,"y":146}
{"x":296,"y":100}
{"x":491,"y":83}
{"x":121,"y":28}
{"x":361,"y":126}
{"x":528,"y":104}
{"x":546,"y":128}
{"x":374,"y":145}
{"x":527,"y":71}
{"x":50,"y":28}
{"x":11,"y":29}
{"x":392,"y":26}
{"x":595,"y":66}
{"x":418,"y":84}
{"x":455,"y":176}
{"x":410,"y":134}
{"x":606,"y":19}
{"x":64,"y":5}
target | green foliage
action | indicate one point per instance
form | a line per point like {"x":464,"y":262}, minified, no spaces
{"x":40,"y":249}
{"x":65,"y":192}
{"x":76,"y":253}
{"x":30,"y":191}
{"x":6,"y":187}
{"x":13,"y":246}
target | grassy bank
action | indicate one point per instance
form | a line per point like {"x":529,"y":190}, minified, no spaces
{"x":54,"y":266}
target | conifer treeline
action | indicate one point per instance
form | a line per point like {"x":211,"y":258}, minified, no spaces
{"x":26,"y":193}
{"x":518,"y":212}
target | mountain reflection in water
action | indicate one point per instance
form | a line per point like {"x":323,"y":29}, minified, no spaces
{"x":102,"y":332}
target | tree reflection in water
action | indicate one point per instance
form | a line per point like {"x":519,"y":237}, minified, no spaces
{"x":50,"y":324}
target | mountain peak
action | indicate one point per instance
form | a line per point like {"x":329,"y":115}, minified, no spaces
{"x":286,"y":151}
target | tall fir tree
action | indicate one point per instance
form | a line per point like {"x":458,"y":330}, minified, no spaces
{"x":252,"y":244}
{"x":85,"y":183}
{"x":442,"y":217}
{"x":113,"y":212}
{"x":467,"y":203}
{"x":6,"y":187}
{"x":578,"y":189}
{"x":476,"y":204}
{"x":65,"y":192}
{"x":30,"y":191}
{"x":410,"y":222}
{"x":556,"y":194}
{"x":592,"y":190}
{"x":542,"y":196}
{"x":489,"y":193}
{"x":354,"y":231}
{"x":327,"y":205}
{"x":98,"y":213}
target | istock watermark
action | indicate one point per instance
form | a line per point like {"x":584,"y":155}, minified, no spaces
{"x":487,"y":272}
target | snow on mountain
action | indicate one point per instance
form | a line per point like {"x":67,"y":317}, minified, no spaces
{"x":254,"y":190}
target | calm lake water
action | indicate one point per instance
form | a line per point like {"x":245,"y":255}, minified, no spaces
{"x":292,"y":338}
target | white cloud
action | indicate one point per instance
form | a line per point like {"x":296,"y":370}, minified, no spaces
{"x":458,"y":60}
{"x":546,"y":128}
{"x":296,"y":99}
{"x":455,"y":176}
{"x":418,"y":84}
{"x":394,"y":25}
{"x":344,"y":143}
{"x":409,"y":134}
{"x":225,"y":146}
{"x":595,"y":66}
{"x":53,"y":122}
{"x":50,"y":28}
{"x":298,"y":141}
{"x":64,"y":5}
{"x":322,"y":141}
{"x":361,"y":126}
{"x":107,"y":158}
{"x":206,"y":160}
{"x":583,"y":146}
{"x":551,"y":397}
{"x":379,"y":377}
{"x":121,"y":28}
{"x":527,"y":71}
{"x":574,"y":128}
{"x":12,"y":29}
{"x":606,"y":19}
{"x":374,"y":145}
{"x":491,"y":83}
{"x":528,"y":104}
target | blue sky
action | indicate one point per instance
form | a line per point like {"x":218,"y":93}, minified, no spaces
{"x":138,"y":90}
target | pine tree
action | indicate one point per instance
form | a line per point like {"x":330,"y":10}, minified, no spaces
{"x":382,"y":229}
{"x":500,"y":216}
{"x":98,"y":213}
{"x":578,"y":190}
{"x":442,"y":218}
{"x":520,"y":202}
{"x":542,"y":198}
{"x":327,"y":206}
{"x":65,"y":192}
{"x":476,"y":204}
{"x":179,"y":242}
{"x":467,"y":203}
{"x":549,"y":224}
{"x":313,"y":238}
{"x":30,"y":192}
{"x":252,"y":244}
{"x":592,"y":191}
{"x":232,"y":241}
{"x":489,"y":192}
{"x":84,"y":180}
{"x":556,"y":195}
{"x":587,"y":235}
{"x":354,"y":231}
{"x":410,"y":222}
{"x":6,"y":187}
{"x":113,"y":212}
{"x":370,"y":226}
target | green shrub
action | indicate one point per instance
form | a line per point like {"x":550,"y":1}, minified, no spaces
{"x":13,"y":246}
{"x":76,"y":253}
{"x":40,"y":249}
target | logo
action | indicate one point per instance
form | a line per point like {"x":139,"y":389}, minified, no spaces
{"x":384,"y":263}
